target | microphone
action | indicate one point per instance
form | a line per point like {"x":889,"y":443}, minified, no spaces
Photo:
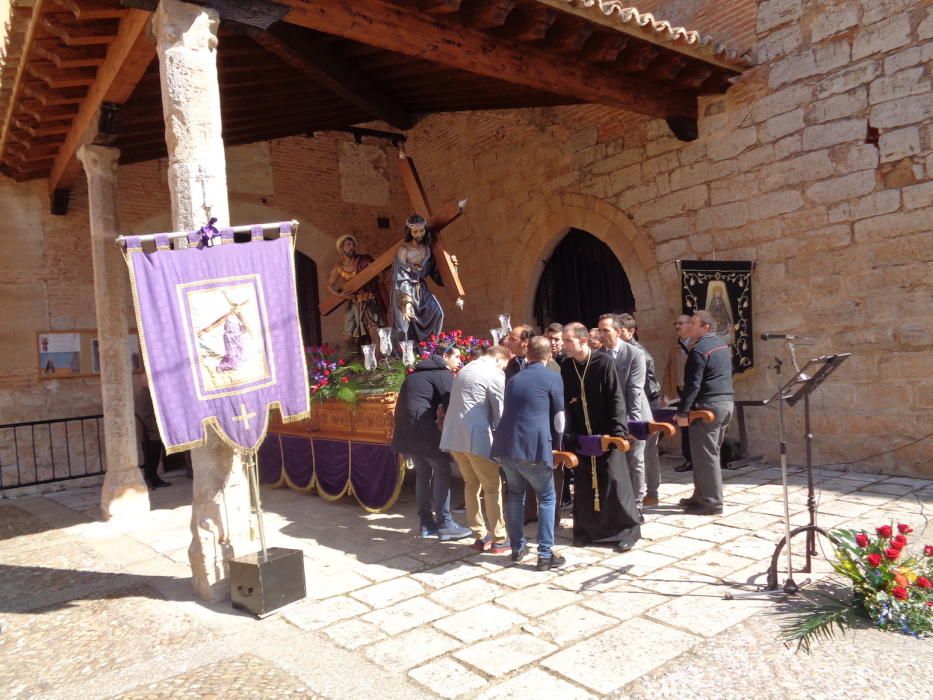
{"x":777,"y":336}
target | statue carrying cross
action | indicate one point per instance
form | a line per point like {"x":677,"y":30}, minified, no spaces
{"x":415,"y":312}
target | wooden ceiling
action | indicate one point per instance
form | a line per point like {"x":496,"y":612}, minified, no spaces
{"x":331,"y":64}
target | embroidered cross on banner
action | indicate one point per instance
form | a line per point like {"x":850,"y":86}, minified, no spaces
{"x":244,"y":416}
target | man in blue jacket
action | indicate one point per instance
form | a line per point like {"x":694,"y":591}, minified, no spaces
{"x":708,"y":385}
{"x":531,"y":425}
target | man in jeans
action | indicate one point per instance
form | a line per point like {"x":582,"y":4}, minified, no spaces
{"x":424,"y":396}
{"x":708,"y":385}
{"x":531,"y":425}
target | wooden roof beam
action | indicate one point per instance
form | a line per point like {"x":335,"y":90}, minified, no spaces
{"x":128,"y":57}
{"x":528,"y":23}
{"x":568,"y":36}
{"x":65,"y":57}
{"x":91,"y":10}
{"x":20,"y":78}
{"x":403,"y":30}
{"x":77,"y":33}
{"x":439,"y":7}
{"x":486,"y":14}
{"x":302,"y":52}
{"x":603,"y":47}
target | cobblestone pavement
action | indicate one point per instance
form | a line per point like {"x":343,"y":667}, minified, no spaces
{"x":93,"y":609}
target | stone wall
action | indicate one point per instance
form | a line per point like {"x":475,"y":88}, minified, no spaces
{"x":816,"y":165}
{"x":330,"y":184}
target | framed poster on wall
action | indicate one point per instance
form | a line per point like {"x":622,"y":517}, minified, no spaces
{"x":69,"y":354}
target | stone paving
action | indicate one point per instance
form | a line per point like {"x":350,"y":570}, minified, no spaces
{"x":93,"y":609}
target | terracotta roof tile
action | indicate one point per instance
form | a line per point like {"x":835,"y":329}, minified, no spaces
{"x":688,"y":40}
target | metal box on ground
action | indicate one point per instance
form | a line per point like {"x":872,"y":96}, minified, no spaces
{"x":262,"y":586}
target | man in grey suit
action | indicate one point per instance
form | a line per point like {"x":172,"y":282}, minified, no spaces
{"x":474,"y":412}
{"x":653,"y":392}
{"x":632,"y":368}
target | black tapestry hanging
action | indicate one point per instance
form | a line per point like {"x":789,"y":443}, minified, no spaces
{"x":724,"y":288}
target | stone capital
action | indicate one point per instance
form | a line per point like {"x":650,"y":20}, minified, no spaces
{"x":99,"y":161}
{"x":177,"y":23}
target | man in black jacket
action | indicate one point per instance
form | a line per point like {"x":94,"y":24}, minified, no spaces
{"x":422,"y":400}
{"x":707,"y":385}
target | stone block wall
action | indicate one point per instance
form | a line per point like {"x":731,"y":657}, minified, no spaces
{"x":816,"y":165}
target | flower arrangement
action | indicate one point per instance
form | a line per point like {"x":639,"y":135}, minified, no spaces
{"x":464,"y":343}
{"x":888,"y":586}
{"x":342,"y":375}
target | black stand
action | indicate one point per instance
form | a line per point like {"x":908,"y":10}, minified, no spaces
{"x":800,"y":386}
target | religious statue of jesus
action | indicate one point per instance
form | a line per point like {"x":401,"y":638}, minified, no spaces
{"x":365,"y":307}
{"x":416,"y":313}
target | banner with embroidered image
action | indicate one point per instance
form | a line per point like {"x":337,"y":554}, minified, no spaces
{"x":220,"y":336}
{"x":724,"y":288}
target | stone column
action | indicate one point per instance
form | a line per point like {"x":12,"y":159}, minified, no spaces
{"x":124,"y":493}
{"x":186,"y":42}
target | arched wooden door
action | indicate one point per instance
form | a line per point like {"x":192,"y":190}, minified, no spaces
{"x":581,"y":280}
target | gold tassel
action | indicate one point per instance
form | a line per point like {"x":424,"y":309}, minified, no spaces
{"x":595,"y":485}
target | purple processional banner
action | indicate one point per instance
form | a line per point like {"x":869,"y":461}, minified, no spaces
{"x":218,"y":328}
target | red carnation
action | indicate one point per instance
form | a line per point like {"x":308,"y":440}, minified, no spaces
{"x":345,"y":379}
{"x":928,"y":550}
{"x":904,"y":529}
{"x":899,"y":541}
{"x":326,"y":372}
{"x":422,"y":344}
{"x":892,"y":553}
{"x":885,"y":531}
{"x":861,"y":539}
{"x":900,"y":593}
{"x":409,"y":370}
{"x":341,"y":362}
{"x":924,"y":582}
{"x":874,"y":560}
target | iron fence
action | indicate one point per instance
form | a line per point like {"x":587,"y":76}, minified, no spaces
{"x":45,"y":451}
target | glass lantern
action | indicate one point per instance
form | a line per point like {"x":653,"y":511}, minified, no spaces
{"x":408,"y":352}
{"x":369,"y":357}
{"x":385,"y":341}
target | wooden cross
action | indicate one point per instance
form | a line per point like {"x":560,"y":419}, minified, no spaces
{"x":244,"y":416}
{"x":436,"y":222}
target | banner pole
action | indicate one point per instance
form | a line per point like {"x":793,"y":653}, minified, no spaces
{"x":121,"y":240}
{"x":252,"y":469}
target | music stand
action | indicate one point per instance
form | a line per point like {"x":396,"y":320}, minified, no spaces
{"x":798,"y":387}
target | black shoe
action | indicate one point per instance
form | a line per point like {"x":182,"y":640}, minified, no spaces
{"x":580,"y":542}
{"x":685,"y":467}
{"x":159,"y":483}
{"x":519,"y":554}
{"x":688,"y":502}
{"x":703,"y":509}
{"x":555,"y":561}
{"x":623,"y":547}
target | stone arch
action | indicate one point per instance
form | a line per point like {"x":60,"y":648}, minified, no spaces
{"x":609,"y":224}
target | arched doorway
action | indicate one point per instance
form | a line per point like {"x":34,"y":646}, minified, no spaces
{"x":581,"y":280}
{"x":306,"y":285}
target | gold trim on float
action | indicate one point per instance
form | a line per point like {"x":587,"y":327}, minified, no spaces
{"x":291,"y":484}
{"x":400,"y":480}
{"x":332,"y":498}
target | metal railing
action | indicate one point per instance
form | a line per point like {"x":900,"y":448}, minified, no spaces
{"x":46,"y":451}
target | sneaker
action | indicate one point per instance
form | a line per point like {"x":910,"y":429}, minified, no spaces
{"x":428,"y":532}
{"x":454,"y":531}
{"x":482,"y":544}
{"x":500,"y":547}
{"x":555,"y":561}
{"x":519,"y":554}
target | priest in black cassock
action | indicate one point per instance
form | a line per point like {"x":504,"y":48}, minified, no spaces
{"x":595,"y":405}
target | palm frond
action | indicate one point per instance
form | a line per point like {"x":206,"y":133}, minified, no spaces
{"x":820,"y":621}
